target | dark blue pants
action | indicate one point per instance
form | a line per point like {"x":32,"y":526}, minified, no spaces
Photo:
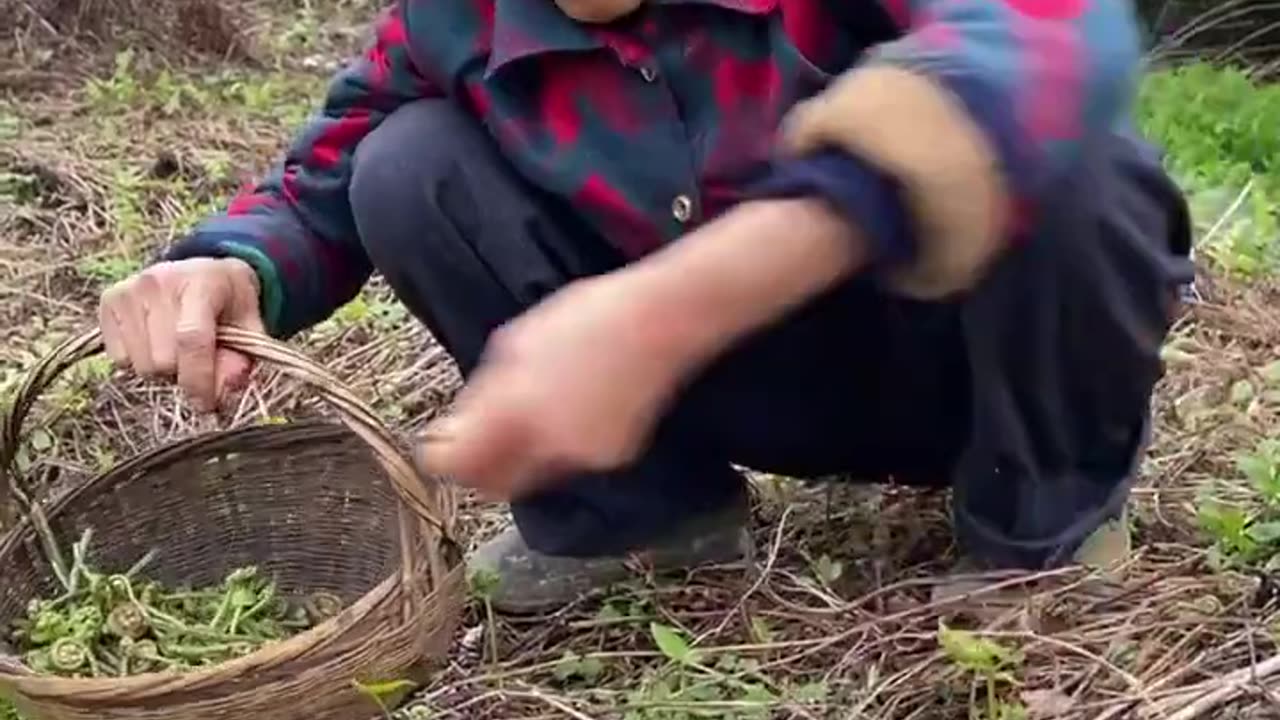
{"x":1029,"y":397}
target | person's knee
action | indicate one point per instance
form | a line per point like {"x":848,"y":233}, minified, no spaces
{"x":397,"y":166}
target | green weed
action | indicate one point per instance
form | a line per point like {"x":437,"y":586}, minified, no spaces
{"x":377,"y":312}
{"x":483,"y":584}
{"x":18,"y":188}
{"x":826,"y":570}
{"x":574,"y":667}
{"x":990,"y":665}
{"x":386,"y":694}
{"x":131,"y":201}
{"x":217,"y":166}
{"x":1218,"y":127}
{"x":1246,"y":533}
{"x":10,"y":124}
{"x":300,"y":34}
{"x":626,"y":609}
{"x":280,"y":97}
{"x":69,"y":397}
{"x":705,"y":683}
{"x":119,"y":91}
{"x":108,"y":269}
{"x":127,"y":205}
{"x":15,"y":187}
{"x":1217,"y":124}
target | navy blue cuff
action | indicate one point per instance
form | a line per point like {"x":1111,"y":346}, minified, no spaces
{"x":868,"y":198}
{"x":201,"y":244}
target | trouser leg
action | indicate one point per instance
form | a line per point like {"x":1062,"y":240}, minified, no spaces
{"x":1063,"y":342}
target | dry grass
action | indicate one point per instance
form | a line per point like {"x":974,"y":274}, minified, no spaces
{"x":1222,"y":30}
{"x":834,"y":618}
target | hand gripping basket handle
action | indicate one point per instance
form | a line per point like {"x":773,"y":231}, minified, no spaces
{"x":424,"y":497}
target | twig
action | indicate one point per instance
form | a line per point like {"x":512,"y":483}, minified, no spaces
{"x":1227,"y":688}
{"x":533,"y":693}
{"x":1231,"y":210}
{"x":764,"y":575}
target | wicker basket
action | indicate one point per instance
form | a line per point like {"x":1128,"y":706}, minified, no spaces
{"x":320,"y":506}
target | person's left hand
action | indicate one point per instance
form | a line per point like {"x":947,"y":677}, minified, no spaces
{"x":576,"y":383}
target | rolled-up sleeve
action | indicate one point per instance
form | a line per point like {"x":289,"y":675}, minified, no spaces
{"x":972,"y":111}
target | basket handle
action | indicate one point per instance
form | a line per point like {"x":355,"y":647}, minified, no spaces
{"x":423,"y":496}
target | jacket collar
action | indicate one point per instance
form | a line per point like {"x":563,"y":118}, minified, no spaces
{"x":525,"y":28}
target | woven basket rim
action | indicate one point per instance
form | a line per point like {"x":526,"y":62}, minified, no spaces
{"x":423,"y":576}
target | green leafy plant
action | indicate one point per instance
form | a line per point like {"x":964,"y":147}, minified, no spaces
{"x":696,"y":684}
{"x":379,"y":313}
{"x":988,"y":663}
{"x":386,"y":694}
{"x":574,"y":667}
{"x":1247,"y":532}
{"x":121,"y":89}
{"x":113,"y":625}
{"x":483,"y":584}
{"x":625,"y":609}
{"x":1217,"y":125}
{"x":1216,"y":122}
{"x":301,"y":33}
{"x":827,"y":570}
{"x":18,"y":188}
{"x":10,"y":124}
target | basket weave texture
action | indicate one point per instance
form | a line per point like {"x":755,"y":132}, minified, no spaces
{"x":319,"y":506}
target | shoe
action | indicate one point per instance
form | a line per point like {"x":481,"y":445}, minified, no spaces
{"x":1106,"y":547}
{"x":524,"y":581}
{"x":1109,"y":545}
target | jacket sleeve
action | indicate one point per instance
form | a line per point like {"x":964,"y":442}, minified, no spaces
{"x":971,"y":111}
{"x":295,"y":227}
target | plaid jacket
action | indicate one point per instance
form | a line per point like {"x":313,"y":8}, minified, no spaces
{"x":654,"y":124}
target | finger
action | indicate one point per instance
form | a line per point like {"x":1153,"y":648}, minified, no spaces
{"x":487,"y":451}
{"x":504,"y":458}
{"x":231,"y":372}
{"x":130,"y":317}
{"x":195,"y":347}
{"x":113,"y":343}
{"x":160,"y":334}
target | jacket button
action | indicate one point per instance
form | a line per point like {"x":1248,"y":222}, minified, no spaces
{"x":682,"y":208}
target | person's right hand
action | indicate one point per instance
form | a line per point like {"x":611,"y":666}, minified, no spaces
{"x":162,"y":323}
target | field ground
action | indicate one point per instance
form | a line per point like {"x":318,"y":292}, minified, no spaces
{"x":106,"y":156}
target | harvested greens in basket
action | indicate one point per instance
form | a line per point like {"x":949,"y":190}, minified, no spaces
{"x":111,"y":625}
